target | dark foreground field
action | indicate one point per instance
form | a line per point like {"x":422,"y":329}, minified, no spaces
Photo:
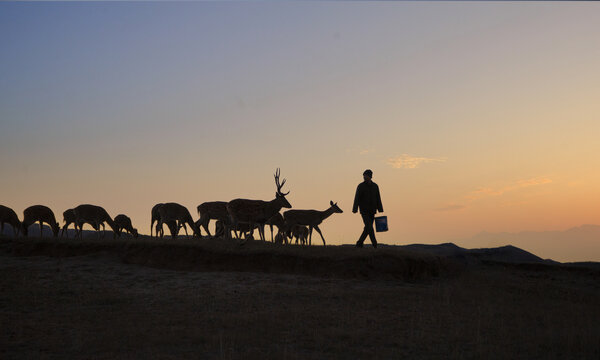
{"x":217,"y":300}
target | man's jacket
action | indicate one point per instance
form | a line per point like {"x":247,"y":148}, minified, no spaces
{"x":367,"y":198}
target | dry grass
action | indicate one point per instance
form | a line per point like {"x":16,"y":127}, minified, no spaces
{"x":255,"y":256}
{"x":93,"y":305}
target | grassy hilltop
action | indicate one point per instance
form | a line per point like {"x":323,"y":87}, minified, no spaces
{"x":215,"y":299}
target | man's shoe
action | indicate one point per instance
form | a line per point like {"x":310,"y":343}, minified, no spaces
{"x":375,"y":246}
{"x":358,"y":245}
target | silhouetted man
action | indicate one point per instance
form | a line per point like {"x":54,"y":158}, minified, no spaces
{"x":367,"y":198}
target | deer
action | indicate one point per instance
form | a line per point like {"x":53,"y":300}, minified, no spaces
{"x":41,"y":214}
{"x":173,"y":226}
{"x":156,"y":218}
{"x":258,"y":212}
{"x":173,"y":214}
{"x":310,"y":218}
{"x":95,"y":216}
{"x":9,"y":216}
{"x":301,"y":233}
{"x":123,"y":222}
{"x":275,"y":220}
{"x":212,"y":210}
{"x":68,"y":218}
{"x":221,"y":227}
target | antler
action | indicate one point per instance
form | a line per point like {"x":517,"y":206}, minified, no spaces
{"x":279,"y":186}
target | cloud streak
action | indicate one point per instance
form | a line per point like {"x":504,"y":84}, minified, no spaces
{"x":489,"y":191}
{"x":451,"y":207}
{"x":406,"y":161}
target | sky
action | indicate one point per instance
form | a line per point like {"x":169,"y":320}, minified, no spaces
{"x":473,"y":116}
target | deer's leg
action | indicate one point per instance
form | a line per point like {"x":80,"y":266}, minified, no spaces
{"x":173,"y":228}
{"x":319,"y":231}
{"x":159,"y":232}
{"x":234,"y":227}
{"x":310,"y":229}
{"x":261,"y":232}
{"x":204,"y":220}
{"x":187,"y":236}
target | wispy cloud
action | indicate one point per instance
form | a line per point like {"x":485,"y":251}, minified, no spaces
{"x":497,"y":191}
{"x":360,"y":151}
{"x":406,"y":161}
{"x":451,"y":207}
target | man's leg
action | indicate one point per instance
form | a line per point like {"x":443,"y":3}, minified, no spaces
{"x":368,"y":220}
{"x":362,"y":238}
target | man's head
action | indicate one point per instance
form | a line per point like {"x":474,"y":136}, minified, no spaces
{"x":367,"y":175}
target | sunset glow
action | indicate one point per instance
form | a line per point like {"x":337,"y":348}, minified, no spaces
{"x":473,"y":116}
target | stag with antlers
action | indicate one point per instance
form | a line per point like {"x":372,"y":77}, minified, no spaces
{"x":257,"y":212}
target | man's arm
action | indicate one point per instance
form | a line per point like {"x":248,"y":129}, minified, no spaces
{"x":379,"y":205}
{"x":355,"y":206}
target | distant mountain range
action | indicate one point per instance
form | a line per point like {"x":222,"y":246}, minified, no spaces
{"x":581,"y":243}
{"x":509,"y":253}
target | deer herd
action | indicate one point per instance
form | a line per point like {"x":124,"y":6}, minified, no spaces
{"x":239,"y":216}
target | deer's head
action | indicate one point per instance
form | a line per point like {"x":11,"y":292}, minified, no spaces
{"x":335,"y":208}
{"x":280,"y":196}
{"x":135,"y":233}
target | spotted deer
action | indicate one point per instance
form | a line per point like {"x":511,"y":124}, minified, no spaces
{"x":310,"y":218}
{"x":277,"y":221}
{"x":242,"y":228}
{"x":68,"y":218}
{"x":41,"y":214}
{"x":123,"y":222}
{"x":301,"y":233}
{"x":94,"y":215}
{"x":173,"y":214}
{"x":9,"y":216}
{"x":212,"y":210}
